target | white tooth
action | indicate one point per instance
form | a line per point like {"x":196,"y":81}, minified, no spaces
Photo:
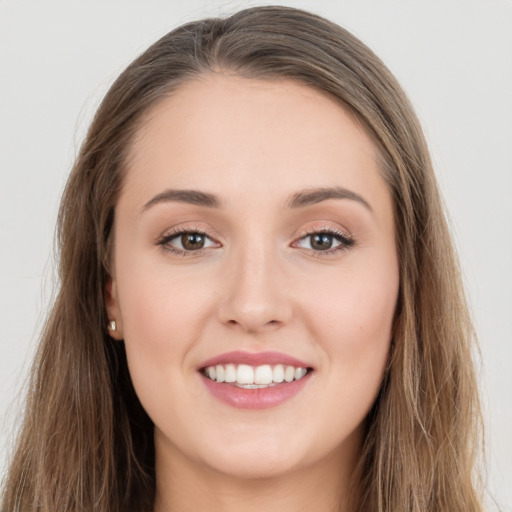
{"x":299,"y":373}
{"x":263,"y":374}
{"x":211,"y":372}
{"x":245,"y":374}
{"x":219,"y":371}
{"x":230,"y":373}
{"x":278,"y":373}
{"x":289,"y":373}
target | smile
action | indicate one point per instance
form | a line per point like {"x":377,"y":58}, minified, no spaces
{"x":249,"y":380}
{"x":250,"y":377}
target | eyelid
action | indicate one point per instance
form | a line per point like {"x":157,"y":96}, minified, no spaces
{"x":326,"y":229}
{"x":165,"y":239}
{"x":346,"y":240}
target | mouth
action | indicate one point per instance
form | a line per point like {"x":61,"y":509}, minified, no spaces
{"x":254,"y":377}
{"x":255,"y":380}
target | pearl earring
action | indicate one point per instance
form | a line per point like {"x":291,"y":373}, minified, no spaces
{"x":112,"y":326}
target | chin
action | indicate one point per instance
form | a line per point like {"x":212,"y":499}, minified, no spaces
{"x":255,"y":466}
{"x":265,"y":455}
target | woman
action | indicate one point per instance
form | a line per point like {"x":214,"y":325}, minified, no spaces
{"x":259,"y":305}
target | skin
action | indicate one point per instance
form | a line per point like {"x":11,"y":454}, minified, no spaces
{"x":257,"y":285}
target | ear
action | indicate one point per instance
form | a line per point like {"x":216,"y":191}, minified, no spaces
{"x":113,"y":310}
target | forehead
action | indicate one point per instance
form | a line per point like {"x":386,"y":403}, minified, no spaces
{"x":226,"y":133}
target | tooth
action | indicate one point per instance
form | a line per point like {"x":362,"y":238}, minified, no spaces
{"x":278,"y":373}
{"x":230,"y":373}
{"x":289,"y":373}
{"x":258,"y":376}
{"x":263,"y":374}
{"x":245,"y":374}
{"x":299,"y":373}
{"x":219,"y":371}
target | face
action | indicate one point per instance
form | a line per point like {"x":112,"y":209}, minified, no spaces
{"x":255,"y":276}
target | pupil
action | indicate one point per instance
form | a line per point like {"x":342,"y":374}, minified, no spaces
{"x":192,"y":241}
{"x":321,"y":241}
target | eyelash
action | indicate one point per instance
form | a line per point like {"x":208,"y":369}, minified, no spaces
{"x":166,"y":239}
{"x":345,"y":241}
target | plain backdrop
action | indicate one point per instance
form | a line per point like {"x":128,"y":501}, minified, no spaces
{"x":454,"y":58}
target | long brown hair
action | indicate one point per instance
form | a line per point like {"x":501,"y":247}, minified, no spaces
{"x":87,"y":444}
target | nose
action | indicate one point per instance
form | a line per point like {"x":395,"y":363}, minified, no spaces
{"x":256,"y":297}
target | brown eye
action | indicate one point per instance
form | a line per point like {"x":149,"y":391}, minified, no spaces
{"x":192,"y":241}
{"x":187,"y":241}
{"x":321,"y":241}
{"x":325,"y":241}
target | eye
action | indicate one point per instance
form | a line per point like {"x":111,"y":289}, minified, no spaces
{"x":187,"y":241}
{"x":326,"y":241}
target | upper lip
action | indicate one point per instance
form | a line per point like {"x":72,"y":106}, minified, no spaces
{"x":254,"y":359}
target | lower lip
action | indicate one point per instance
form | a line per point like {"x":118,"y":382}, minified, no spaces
{"x":261,"y":398}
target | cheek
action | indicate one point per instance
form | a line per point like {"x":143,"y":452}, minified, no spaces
{"x":159,"y":304}
{"x":352,"y":317}
{"x":161,"y":322}
{"x":161,"y":317}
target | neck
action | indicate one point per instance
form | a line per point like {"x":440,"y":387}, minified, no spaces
{"x":183,"y":486}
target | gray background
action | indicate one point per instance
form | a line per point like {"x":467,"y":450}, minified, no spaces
{"x":454,"y":58}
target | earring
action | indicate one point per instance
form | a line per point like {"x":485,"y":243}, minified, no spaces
{"x":112,"y":326}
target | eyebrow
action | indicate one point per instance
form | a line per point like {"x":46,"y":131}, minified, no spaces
{"x":317,"y":195}
{"x":185,"y":196}
{"x":298,"y":200}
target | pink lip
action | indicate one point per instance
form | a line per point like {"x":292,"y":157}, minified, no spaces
{"x":261,"y":398}
{"x":254,"y":359}
{"x":255,"y":398}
